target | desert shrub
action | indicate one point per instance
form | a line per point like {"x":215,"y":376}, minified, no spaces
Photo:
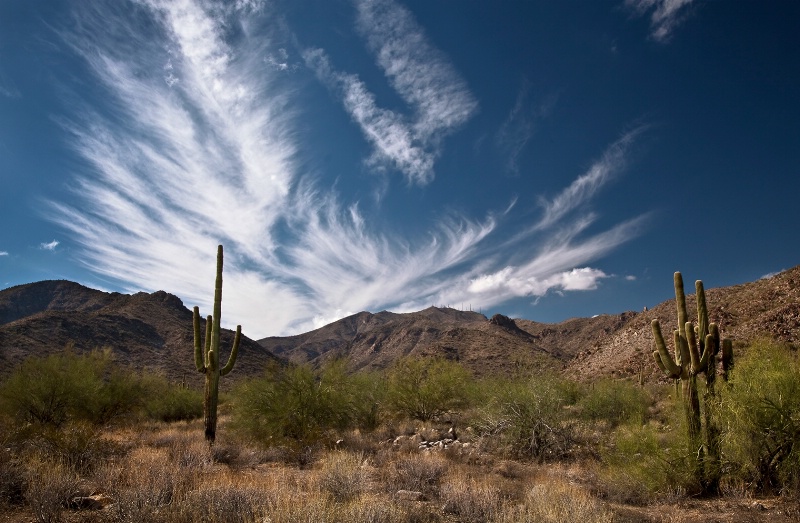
{"x":165,"y":401}
{"x":220,"y":504}
{"x":554,"y":503}
{"x":615,"y":402}
{"x":644,"y":463}
{"x":67,"y":386}
{"x":368,"y":391}
{"x":49,"y":487}
{"x":295,"y":403}
{"x":528,"y":419}
{"x":343,"y":475}
{"x":422,"y":388}
{"x":145,"y":485}
{"x":76,"y":444}
{"x":12,"y":478}
{"x":469,"y":499}
{"x":417,"y":472}
{"x":761,"y":419}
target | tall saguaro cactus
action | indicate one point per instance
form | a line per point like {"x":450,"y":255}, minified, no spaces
{"x":206,"y":358}
{"x":697,"y":351}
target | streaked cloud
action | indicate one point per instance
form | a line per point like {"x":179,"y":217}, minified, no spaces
{"x":49,"y":246}
{"x":199,"y":146}
{"x":438,"y":99}
{"x":665,"y":15}
{"x":558,"y":266}
{"x":517,"y":129}
{"x":585,"y":186}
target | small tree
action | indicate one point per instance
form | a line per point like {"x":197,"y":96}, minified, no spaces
{"x":423,"y":388}
{"x":297,"y":404}
{"x":761,"y":412}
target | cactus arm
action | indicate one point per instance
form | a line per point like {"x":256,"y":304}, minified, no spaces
{"x":727,"y":357}
{"x":702,"y":311}
{"x":209,"y":323}
{"x":664,"y":360}
{"x":198,"y":349}
{"x":234,"y":352}
{"x":217,"y":303}
{"x":657,"y":357}
{"x":707,"y":358}
{"x":694,"y":354}
{"x":680,"y":299}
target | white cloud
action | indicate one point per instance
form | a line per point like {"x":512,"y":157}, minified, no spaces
{"x":439,"y":99}
{"x":585,"y":186}
{"x":665,"y":15}
{"x":49,"y":246}
{"x":174,"y":170}
{"x":3,"y":253}
{"x":518,"y":127}
{"x":553,"y":268}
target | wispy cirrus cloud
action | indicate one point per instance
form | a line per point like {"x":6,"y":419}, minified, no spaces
{"x":517,"y":129}
{"x":585,"y":186}
{"x":196,"y":145}
{"x":439,"y":100}
{"x":665,"y":15}
{"x":3,"y":253}
{"x":49,"y":246}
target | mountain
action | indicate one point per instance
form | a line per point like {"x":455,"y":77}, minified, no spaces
{"x":155,"y":331}
{"x":605,"y":345}
{"x":372,"y":341}
{"x":149,"y":331}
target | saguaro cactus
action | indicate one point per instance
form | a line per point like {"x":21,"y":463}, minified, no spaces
{"x":697,"y":351}
{"x":206,"y":358}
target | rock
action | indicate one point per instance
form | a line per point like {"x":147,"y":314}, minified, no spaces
{"x":410,"y":495}
{"x":399,"y":440}
{"x":503,"y":321}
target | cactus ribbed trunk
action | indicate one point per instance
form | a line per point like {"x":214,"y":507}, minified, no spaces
{"x":696,"y":352}
{"x":206,"y":357}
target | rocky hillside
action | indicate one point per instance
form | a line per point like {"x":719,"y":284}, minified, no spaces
{"x":585,"y":348}
{"x":371,"y":341}
{"x":145,"y":330}
{"x":769,"y":307}
{"x":155,"y":330}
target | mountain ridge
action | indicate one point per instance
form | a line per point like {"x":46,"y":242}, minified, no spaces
{"x":154,"y":330}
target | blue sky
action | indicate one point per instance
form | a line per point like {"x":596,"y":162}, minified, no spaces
{"x":540,"y":159}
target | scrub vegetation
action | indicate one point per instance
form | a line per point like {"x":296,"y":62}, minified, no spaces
{"x":86,"y":439}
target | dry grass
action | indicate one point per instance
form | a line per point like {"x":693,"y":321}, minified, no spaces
{"x":168,"y":474}
{"x":554,"y":502}
{"x":49,"y":487}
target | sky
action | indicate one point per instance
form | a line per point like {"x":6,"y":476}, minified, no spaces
{"x":539,"y":159}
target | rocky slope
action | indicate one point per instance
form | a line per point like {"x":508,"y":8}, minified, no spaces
{"x":152,"y":331}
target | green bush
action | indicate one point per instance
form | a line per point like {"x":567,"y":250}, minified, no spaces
{"x":296,"y":403}
{"x":528,"y":419}
{"x":615,"y":402}
{"x":165,"y":401}
{"x":66,"y":386}
{"x":761,"y":419}
{"x":422,"y":388}
{"x":644,"y":463}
